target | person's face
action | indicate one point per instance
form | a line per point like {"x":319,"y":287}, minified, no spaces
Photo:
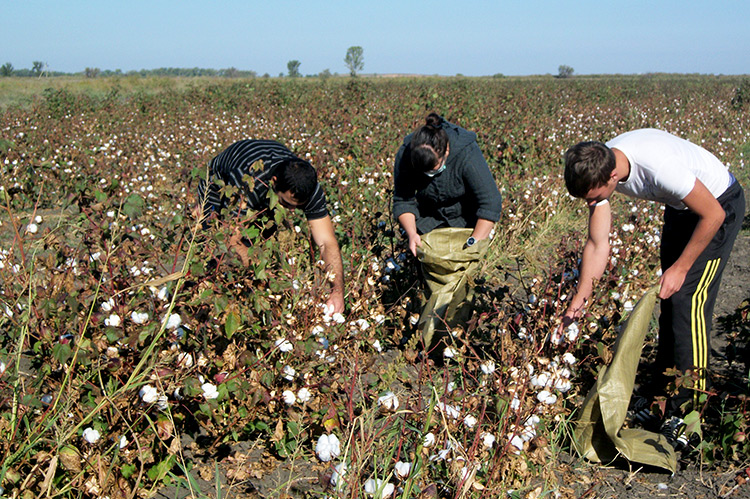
{"x":287,"y":200}
{"x":601,"y":193}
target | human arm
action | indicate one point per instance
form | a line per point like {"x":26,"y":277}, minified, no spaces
{"x":593,"y":260}
{"x":482,"y":229}
{"x":710,"y":217}
{"x":409,"y":223}
{"x":324,"y":237}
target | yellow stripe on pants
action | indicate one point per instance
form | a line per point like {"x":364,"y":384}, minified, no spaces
{"x":698,"y":324}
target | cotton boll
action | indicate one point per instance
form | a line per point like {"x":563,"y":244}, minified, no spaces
{"x":488,"y":367}
{"x":402,"y":469}
{"x":149,"y":394}
{"x":470,"y":421}
{"x":91,"y":435}
{"x":373,"y":485}
{"x":328,"y":447}
{"x":304,"y":395}
{"x":546,"y":397}
{"x":284,"y":345}
{"x":173,"y":321}
{"x":289,"y":397}
{"x":113,"y":320}
{"x":139,"y":317}
{"x":338,"y":473}
{"x":569,"y":358}
{"x":488,"y":440}
{"x":210,"y":391}
{"x":388,"y":401}
{"x":428,"y":440}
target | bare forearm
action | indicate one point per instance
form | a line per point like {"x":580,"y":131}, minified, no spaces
{"x":482,"y":229}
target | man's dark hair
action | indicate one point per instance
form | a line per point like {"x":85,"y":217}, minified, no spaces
{"x":428,"y":144}
{"x":588,"y":165}
{"x":298,"y":177}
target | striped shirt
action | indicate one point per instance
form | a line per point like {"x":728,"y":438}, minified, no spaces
{"x":236,"y":161}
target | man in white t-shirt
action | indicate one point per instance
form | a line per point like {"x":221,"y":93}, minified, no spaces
{"x":704,"y":210}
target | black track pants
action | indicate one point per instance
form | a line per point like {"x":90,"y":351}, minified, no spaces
{"x":685,"y":321}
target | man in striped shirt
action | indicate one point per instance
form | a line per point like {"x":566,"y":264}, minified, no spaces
{"x":295,"y":183}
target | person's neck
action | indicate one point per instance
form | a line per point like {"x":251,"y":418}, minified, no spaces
{"x":622,"y":165}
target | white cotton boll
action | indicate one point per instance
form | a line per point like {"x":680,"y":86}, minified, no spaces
{"x":402,"y":469}
{"x":428,"y":440}
{"x":563,"y":385}
{"x":470,"y":421}
{"x":450,"y":386}
{"x":448,"y":410}
{"x":362,"y":324}
{"x":3,"y":367}
{"x":546,"y":397}
{"x":515,"y":404}
{"x":289,"y":397}
{"x":389,"y":401}
{"x":209,"y":391}
{"x":338,"y":318}
{"x":113,"y":320}
{"x":327,"y":310}
{"x":173,"y":321}
{"x":91,"y":435}
{"x":516,"y":442}
{"x":522,"y":333}
{"x":541,"y":380}
{"x":161,"y":402}
{"x":163,"y":294}
{"x":628,"y":306}
{"x":108,"y":305}
{"x":185,"y":360}
{"x":288,"y":373}
{"x":338,"y":473}
{"x":449,"y":353}
{"x":284,"y":345}
{"x":488,"y":440}
{"x":572,"y":331}
{"x":328,"y":447}
{"x":373,"y":485}
{"x":304,"y":395}
{"x":32,"y":228}
{"x":149,"y":394}
{"x":38,"y":219}
{"x":317,"y":330}
{"x":414,"y":319}
{"x":376,"y":345}
{"x":569,"y":358}
{"x":139,"y":317}
{"x":123,"y":442}
{"x":488,"y":367}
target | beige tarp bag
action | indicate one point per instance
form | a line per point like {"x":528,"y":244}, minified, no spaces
{"x":599,"y":435}
{"x":449,"y":269}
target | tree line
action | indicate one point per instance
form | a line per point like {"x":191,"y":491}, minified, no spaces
{"x":354,"y":61}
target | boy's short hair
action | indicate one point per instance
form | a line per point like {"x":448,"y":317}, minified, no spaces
{"x":298,"y":177}
{"x":588,"y":165}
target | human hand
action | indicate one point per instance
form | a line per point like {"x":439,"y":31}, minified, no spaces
{"x":236,"y":245}
{"x":335,"y":304}
{"x":671,"y":281}
{"x":414,"y":241}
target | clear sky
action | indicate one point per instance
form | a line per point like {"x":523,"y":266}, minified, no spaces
{"x":471,"y":37}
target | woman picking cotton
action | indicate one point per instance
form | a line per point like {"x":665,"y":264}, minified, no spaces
{"x":447,"y":202}
{"x":442,"y":180}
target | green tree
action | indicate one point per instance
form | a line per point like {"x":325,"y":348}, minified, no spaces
{"x":564,"y":71}
{"x":91,"y":72}
{"x":37,"y":68}
{"x":293,"y":68}
{"x":6,"y":69}
{"x":354,"y":59}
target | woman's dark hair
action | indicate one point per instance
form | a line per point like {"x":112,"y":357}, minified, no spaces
{"x":429,"y":143}
{"x":297,"y":177}
{"x":588,"y":165}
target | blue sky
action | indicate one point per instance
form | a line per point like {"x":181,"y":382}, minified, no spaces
{"x":471,"y":37}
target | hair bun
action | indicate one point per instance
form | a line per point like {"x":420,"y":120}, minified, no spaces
{"x":434,"y":120}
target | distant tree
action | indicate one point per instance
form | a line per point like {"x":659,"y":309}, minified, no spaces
{"x":37,"y":68}
{"x":6,"y":69}
{"x":231,"y":72}
{"x":564,"y":71}
{"x":354,"y":60}
{"x":326,"y":73}
{"x":91,"y":72}
{"x":293,"y":68}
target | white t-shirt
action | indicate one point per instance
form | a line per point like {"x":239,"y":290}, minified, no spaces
{"x":664,"y":167}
